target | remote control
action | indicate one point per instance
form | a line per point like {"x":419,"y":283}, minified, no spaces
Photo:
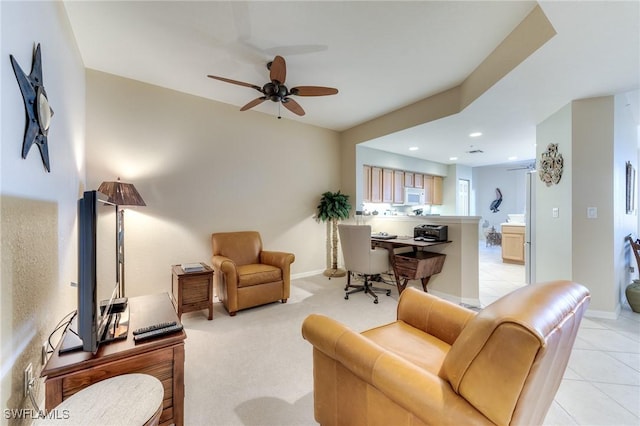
{"x":157,"y":333}
{"x":153,"y":327}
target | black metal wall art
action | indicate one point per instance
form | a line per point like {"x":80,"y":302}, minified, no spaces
{"x":37,"y":107}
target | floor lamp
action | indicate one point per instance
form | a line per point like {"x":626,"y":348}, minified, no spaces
{"x":121,"y":194}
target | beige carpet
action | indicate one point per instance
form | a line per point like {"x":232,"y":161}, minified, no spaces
{"x":255,"y":368}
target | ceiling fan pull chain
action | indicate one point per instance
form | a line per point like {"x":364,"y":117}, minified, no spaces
{"x":279,"y":104}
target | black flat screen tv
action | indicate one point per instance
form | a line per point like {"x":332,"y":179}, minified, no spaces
{"x":97,"y":320}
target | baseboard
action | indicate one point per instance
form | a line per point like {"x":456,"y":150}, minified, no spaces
{"x":592,"y":313}
{"x":306,"y":274}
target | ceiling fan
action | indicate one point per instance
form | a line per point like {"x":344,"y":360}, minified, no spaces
{"x":276,"y":91}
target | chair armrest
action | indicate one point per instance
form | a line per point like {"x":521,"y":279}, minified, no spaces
{"x":227,"y":267}
{"x":433,"y":315}
{"x":277,"y":258}
{"x":418,"y":391}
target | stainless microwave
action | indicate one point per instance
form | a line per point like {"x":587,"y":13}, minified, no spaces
{"x":413,"y":196}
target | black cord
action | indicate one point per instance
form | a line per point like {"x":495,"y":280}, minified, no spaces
{"x":64,"y":322}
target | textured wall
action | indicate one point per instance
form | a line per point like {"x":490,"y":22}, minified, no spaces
{"x":38,"y":209}
{"x":29,"y":274}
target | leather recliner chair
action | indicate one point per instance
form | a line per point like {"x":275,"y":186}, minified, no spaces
{"x":442,"y":364}
{"x":245,"y":275}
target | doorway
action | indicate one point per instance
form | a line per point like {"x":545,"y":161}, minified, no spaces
{"x":463,"y":197}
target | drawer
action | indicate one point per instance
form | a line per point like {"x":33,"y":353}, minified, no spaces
{"x":195,"y":289}
{"x":418,"y":264}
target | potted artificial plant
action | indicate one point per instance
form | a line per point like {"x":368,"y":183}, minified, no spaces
{"x":333,"y":207}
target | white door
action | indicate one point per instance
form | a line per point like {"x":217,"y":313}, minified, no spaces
{"x":463,"y":197}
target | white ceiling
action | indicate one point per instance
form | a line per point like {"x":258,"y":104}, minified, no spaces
{"x":380,"y":55}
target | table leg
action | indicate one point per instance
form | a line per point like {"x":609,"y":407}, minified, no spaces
{"x":425,"y":281}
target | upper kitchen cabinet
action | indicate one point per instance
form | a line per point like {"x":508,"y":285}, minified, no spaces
{"x":366,"y":184}
{"x":398,"y":186}
{"x":437,"y":190}
{"x":408,"y":179}
{"x":372,"y":191}
{"x":387,"y":186}
{"x":418,"y":180}
{"x":382,"y":185}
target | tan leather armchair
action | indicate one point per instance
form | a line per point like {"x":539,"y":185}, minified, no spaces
{"x":442,"y":364}
{"x":245,"y":275}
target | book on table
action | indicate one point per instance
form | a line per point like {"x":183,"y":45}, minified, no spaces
{"x":192,"y":267}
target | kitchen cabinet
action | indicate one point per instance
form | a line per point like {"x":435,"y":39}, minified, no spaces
{"x":513,"y":244}
{"x":366,"y":184}
{"x":408,"y":179}
{"x":418,"y":180}
{"x":381,"y":185}
{"x":387,"y":185}
{"x":398,"y":186}
{"x":437,"y":191}
{"x":376,"y":185}
{"x":428,"y":189}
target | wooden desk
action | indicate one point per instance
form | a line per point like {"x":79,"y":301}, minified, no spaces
{"x":430,"y":264}
{"x":162,"y":358}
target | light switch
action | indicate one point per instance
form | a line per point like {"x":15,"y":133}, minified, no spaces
{"x":555,"y":212}
{"x":592,"y":212}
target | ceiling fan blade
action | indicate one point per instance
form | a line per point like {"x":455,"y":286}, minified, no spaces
{"x":253,"y":103}
{"x":293,"y":106}
{"x":278,"y":70}
{"x":239,"y":83}
{"x":313,"y":91}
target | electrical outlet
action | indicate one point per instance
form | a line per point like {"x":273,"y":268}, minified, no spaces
{"x":28,"y":377}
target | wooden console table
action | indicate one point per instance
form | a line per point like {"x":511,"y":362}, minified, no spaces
{"x":162,"y":358}
{"x":415,"y":266}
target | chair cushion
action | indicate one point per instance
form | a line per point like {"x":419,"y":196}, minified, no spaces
{"x":257,"y":273}
{"x":414,"y":345}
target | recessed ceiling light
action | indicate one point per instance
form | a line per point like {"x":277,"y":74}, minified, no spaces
{"x":512,"y":158}
{"x":413,"y":148}
{"x":453,"y":158}
{"x":475,"y":134}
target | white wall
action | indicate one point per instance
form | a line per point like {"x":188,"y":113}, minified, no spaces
{"x":203,"y":167}
{"x":512,"y":184}
{"x":38,"y":209}
{"x":596,"y":137}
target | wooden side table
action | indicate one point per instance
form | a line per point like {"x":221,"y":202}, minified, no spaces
{"x":133,"y":399}
{"x":192,"y":291}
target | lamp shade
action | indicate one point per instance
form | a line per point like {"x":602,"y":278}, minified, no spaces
{"x":121,"y":194}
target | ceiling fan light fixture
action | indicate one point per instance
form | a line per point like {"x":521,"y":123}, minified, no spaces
{"x":276,"y":91}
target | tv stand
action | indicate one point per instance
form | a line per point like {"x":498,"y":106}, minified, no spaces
{"x":67,"y":373}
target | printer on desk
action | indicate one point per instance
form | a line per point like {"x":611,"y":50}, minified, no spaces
{"x":430,"y":233}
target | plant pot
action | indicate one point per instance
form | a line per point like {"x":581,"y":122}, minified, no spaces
{"x":334,"y":273}
{"x":633,"y":295}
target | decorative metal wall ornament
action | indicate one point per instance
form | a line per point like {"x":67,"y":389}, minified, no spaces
{"x":551,"y":164}
{"x":37,"y":107}
{"x":496,"y":203}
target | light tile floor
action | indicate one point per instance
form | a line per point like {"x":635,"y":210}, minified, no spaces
{"x":602,"y":383}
